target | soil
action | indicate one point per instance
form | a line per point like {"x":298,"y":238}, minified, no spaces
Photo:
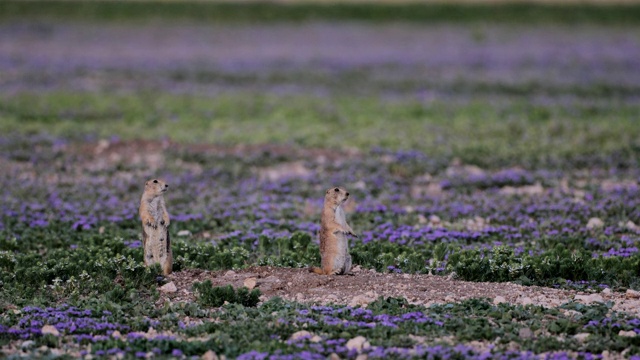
{"x":365,"y":286}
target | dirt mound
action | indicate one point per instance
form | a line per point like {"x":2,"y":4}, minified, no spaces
{"x":365,"y":286}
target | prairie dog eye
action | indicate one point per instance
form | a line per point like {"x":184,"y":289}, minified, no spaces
{"x":155,"y":181}
{"x":336,"y":190}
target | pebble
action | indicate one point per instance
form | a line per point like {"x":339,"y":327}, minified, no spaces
{"x":315,"y":339}
{"x":250,"y":283}
{"x":632,"y":294}
{"x":629,"y":333}
{"x":361,"y":300}
{"x":581,"y":337}
{"x":210,"y":355}
{"x":300,"y":334}
{"x":169,"y":288}
{"x":526,"y":301}
{"x":358,"y":343}
{"x":525,"y":333}
{"x":588,"y":299}
{"x":50,"y":329}
{"x":499,"y":300}
{"x":27,"y":344}
{"x":595,"y":222}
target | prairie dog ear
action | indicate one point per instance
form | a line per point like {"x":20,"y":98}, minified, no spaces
{"x":146,"y":183}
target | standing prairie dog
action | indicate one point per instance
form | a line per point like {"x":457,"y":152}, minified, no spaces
{"x":155,"y":223}
{"x":334,"y":243}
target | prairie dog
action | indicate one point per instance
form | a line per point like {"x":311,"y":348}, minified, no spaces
{"x":155,"y":223}
{"x":334,"y":243}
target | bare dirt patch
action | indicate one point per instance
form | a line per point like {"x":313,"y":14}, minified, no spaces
{"x":365,"y":286}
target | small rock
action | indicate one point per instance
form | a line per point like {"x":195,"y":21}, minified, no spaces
{"x":169,"y":288}
{"x":632,"y":294}
{"x":434,"y":220}
{"x":606,"y":291}
{"x":418,"y":339}
{"x":457,"y":170}
{"x":210,"y":355}
{"x":449,"y":298}
{"x":434,"y":190}
{"x":362,"y":357}
{"x":295,"y":169}
{"x":629,"y":333}
{"x":632,"y":226}
{"x":529,"y":190}
{"x":250,"y":283}
{"x":588,"y":299}
{"x":525,"y":333}
{"x":595,"y":223}
{"x":581,"y":337}
{"x":56,"y":352}
{"x":101,"y":230}
{"x":572,"y":314}
{"x":499,"y":299}
{"x":300,"y":335}
{"x":103,"y":145}
{"x":184,"y":233}
{"x":229,"y":273}
{"x":26,"y":345}
{"x":334,"y":356}
{"x":116,"y":334}
{"x":358,"y":343}
{"x":315,"y":339}
{"x":526,"y":301}
{"x":360,"y":185}
{"x":50,"y":329}
{"x":361,"y":300}
{"x":513,"y":346}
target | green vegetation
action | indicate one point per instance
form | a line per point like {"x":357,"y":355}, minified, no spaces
{"x":477,"y":133}
{"x":211,"y":296}
{"x":482,"y":142}
{"x":265,"y":11}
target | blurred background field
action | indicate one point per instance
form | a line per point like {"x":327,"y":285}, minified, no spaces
{"x":491,"y":84}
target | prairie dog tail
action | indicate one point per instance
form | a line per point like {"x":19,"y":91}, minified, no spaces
{"x":316,"y":270}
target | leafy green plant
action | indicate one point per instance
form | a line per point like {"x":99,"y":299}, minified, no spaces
{"x":208,"y":295}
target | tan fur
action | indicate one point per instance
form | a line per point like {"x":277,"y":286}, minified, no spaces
{"x":334,"y":243}
{"x":155,"y":226}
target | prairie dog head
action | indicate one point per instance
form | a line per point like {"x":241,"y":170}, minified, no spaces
{"x":336,"y":196}
{"x":155,"y":187}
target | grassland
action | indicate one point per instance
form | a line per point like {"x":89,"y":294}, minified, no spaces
{"x":482,"y":143}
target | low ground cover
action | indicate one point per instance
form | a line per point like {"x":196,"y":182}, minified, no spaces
{"x":473,"y":150}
